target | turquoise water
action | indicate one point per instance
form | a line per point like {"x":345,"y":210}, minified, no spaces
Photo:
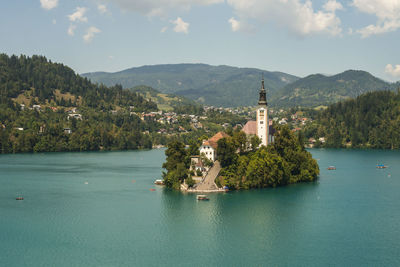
{"x":96,"y":209}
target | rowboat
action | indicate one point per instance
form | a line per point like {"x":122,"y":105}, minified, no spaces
{"x":381,"y":166}
{"x":202,"y":197}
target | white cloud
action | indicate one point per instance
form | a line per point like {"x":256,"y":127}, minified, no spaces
{"x":387,"y":13}
{"x":180,"y":26}
{"x":88,"y":37}
{"x":235,"y":24}
{"x":161,"y":7}
{"x":300,"y":18}
{"x":164,"y":29}
{"x":48,"y":4}
{"x":393,"y":71}
{"x":242,"y":26}
{"x":78,"y":15}
{"x":102,"y":8}
{"x":71,"y":30}
{"x":332,"y":6}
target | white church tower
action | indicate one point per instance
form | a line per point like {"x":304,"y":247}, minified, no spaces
{"x":262,"y":116}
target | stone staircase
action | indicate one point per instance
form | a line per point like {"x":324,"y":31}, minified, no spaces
{"x":208,"y":183}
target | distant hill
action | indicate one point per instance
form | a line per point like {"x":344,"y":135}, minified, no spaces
{"x":211,"y":85}
{"x":165,"y":102}
{"x":318,"y":89}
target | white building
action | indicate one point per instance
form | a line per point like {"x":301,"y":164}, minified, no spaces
{"x":209,"y":147}
{"x":75,"y":116}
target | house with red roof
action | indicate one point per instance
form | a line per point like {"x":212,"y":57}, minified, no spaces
{"x":209,"y":147}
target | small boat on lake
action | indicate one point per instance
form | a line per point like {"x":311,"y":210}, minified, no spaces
{"x":159,"y":182}
{"x":381,"y":166}
{"x":331,"y":168}
{"x":19,"y":198}
{"x":202,"y":197}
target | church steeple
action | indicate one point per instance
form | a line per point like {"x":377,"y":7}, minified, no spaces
{"x":262,"y":101}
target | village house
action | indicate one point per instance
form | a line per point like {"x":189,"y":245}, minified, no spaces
{"x":72,"y":110}
{"x":148,"y":117}
{"x":197,"y":164}
{"x":36,"y":107}
{"x":75,"y":116}
{"x":283,"y":121}
{"x":42,"y":128}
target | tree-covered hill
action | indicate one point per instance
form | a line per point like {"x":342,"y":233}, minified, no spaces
{"x":45,"y":106}
{"x":38,"y":80}
{"x":211,"y":85}
{"x":370,"y":120}
{"x":318,"y":89}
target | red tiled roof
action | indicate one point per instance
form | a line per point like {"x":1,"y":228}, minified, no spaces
{"x":213,"y":141}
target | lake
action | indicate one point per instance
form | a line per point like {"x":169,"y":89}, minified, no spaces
{"x":96,"y":209}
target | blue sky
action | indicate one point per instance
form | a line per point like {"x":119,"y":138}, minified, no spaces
{"x":300,"y":37}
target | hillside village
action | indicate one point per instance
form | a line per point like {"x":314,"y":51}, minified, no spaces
{"x":172,"y":123}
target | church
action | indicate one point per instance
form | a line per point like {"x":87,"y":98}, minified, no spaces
{"x":261,"y":127}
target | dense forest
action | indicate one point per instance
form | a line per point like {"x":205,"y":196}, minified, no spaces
{"x":371,"y":120}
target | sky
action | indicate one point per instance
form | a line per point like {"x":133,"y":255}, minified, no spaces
{"x":299,"y":37}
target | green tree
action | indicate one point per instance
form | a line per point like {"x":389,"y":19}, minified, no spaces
{"x":226,"y":152}
{"x":266,"y":170}
{"x":176,"y":154}
{"x":240,"y":140}
{"x":255,"y":142}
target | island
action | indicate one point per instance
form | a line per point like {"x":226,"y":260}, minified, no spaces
{"x":258,"y":155}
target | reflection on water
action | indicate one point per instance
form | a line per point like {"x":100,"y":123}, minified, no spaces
{"x":85,"y":209}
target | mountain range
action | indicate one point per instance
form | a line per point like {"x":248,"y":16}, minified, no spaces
{"x":210,"y":85}
{"x":318,"y":89}
{"x":231,"y":86}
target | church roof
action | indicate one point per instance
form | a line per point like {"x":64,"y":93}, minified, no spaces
{"x":263,"y":94}
{"x":250,"y":127}
{"x":213,"y":141}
